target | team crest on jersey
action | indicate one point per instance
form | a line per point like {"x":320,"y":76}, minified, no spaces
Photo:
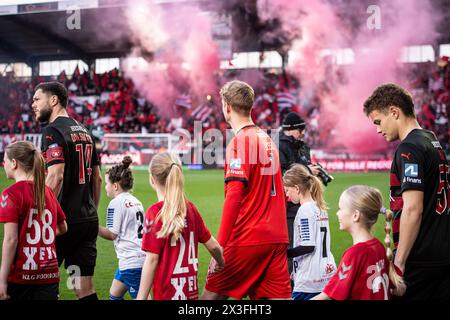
{"x":235,"y":163}
{"x":329,"y":268}
{"x":55,"y":152}
{"x":411,"y":170}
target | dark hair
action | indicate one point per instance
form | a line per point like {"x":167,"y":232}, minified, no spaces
{"x":31,"y":160}
{"x":54,"y":88}
{"x":388,"y":95}
{"x":122,"y":174}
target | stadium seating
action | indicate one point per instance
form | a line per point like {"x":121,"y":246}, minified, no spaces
{"x":118,"y":108}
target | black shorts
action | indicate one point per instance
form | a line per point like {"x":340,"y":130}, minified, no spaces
{"x":427,"y":283}
{"x":78,"y":247}
{"x":33,"y":291}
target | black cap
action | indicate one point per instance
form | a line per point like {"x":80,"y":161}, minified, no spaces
{"x":293,"y":121}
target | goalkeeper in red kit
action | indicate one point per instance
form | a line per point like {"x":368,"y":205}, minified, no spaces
{"x":253,"y":228}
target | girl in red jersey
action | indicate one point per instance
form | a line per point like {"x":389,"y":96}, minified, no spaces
{"x":33,"y":218}
{"x":366,"y":270}
{"x":173,"y":229}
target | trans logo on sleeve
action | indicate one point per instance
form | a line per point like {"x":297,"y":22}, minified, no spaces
{"x":235,"y":163}
{"x":411,"y":170}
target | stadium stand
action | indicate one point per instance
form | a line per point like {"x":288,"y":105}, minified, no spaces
{"x":109,"y":103}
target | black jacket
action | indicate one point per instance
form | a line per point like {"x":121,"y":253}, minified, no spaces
{"x":292,"y":151}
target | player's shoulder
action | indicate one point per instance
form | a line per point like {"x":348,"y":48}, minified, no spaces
{"x":131,"y":197}
{"x":192,"y":208}
{"x":19,"y":193}
{"x":308,"y":209}
{"x":117,"y":202}
{"x":408,"y":148}
{"x":362,"y":249}
{"x":418,"y":139}
{"x":191,"y":205}
{"x":15,"y":189}
{"x":49,"y":192}
{"x":58,"y":124}
{"x":128,"y":200}
{"x":154,"y":209}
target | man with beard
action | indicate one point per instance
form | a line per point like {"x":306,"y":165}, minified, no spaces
{"x":73,"y":173}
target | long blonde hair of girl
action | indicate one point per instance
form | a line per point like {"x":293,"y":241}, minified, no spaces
{"x":300,"y":177}
{"x":166,"y":169}
{"x":369,"y":202}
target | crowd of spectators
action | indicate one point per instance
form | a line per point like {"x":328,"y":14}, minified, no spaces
{"x":110,"y":103}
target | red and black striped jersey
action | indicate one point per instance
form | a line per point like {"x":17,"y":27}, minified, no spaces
{"x":421,"y":164}
{"x":66,"y":141}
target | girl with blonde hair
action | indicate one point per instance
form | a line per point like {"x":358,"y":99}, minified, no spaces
{"x":313,"y":262}
{"x":366,"y":270}
{"x":172,"y":230}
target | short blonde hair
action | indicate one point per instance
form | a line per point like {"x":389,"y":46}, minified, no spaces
{"x":239,"y":95}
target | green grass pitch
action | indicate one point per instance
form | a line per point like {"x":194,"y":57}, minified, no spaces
{"x":205,"y":190}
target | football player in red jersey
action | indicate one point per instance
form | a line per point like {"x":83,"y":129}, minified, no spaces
{"x":253,"y":228}
{"x":366,"y":270}
{"x":33,"y":218}
{"x":173,"y":228}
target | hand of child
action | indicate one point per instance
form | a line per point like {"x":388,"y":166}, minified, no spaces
{"x":214,"y":267}
{"x":4,"y":291}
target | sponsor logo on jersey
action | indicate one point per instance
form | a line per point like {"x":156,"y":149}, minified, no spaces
{"x":235,"y":172}
{"x":411,"y":170}
{"x":235,"y":163}
{"x":436,"y":144}
{"x":129,"y":204}
{"x":77,"y":128}
{"x":406,"y":155}
{"x":412,"y":180}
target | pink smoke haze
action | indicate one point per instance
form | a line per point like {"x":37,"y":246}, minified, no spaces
{"x":185,"y":57}
{"x":377,"y":53}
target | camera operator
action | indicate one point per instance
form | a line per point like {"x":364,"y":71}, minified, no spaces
{"x":294,"y":150}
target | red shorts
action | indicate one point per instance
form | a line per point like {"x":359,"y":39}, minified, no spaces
{"x":260,"y":272}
